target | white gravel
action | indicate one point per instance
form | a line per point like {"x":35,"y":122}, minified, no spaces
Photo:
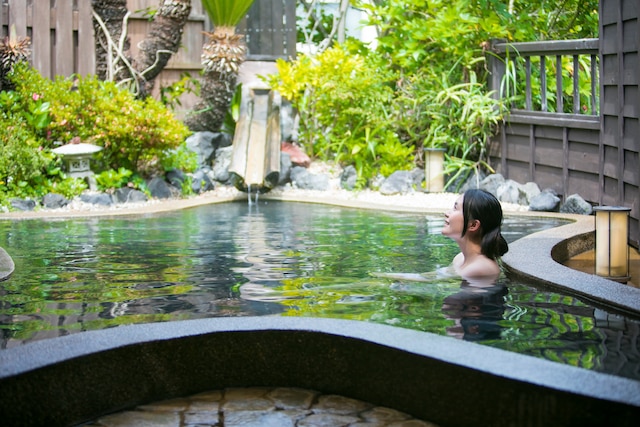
{"x":413,"y":201}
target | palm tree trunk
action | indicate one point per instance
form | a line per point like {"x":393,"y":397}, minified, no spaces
{"x":216,"y":93}
{"x":112,"y":14}
{"x":222,"y":56}
{"x":113,"y":55}
{"x":162,"y":42}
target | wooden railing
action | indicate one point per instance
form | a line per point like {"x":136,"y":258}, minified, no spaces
{"x":568,"y":61}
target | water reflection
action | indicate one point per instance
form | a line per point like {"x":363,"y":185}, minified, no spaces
{"x":476,"y":311}
{"x":288,"y":259}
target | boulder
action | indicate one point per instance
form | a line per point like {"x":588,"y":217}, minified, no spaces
{"x":102,"y":199}
{"x":23,"y":204}
{"x":129,"y":195}
{"x":201,"y":143}
{"x":160,"y":189}
{"x":54,"y":201}
{"x":492,"y":183}
{"x":546,"y":201}
{"x":221,"y":165}
{"x":285,"y":168}
{"x":201,"y":182}
{"x":348,"y":178}
{"x":306,"y":180}
{"x":176,"y":177}
{"x":397,"y":183}
{"x":576,"y":205}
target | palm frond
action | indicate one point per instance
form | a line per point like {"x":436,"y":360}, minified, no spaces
{"x":227,"y":13}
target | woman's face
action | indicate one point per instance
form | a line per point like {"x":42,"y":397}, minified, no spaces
{"x":454,"y":221}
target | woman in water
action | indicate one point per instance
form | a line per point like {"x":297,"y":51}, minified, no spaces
{"x":474,"y":224}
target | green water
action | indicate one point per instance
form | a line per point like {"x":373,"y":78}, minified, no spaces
{"x":288,"y":259}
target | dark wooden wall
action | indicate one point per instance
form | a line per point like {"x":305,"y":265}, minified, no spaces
{"x":270,"y":29}
{"x":595,"y":156}
{"x":619,"y":168}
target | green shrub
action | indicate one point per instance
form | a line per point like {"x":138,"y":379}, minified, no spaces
{"x":135,"y":134}
{"x":180,"y":158}
{"x":113,"y":179}
{"x":343,"y":101}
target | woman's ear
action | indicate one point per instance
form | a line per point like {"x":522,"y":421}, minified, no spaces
{"x":474,"y":225}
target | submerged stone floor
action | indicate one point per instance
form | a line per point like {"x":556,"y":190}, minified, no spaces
{"x":259,"y":407}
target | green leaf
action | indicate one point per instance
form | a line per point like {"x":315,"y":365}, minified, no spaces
{"x":227,"y":13}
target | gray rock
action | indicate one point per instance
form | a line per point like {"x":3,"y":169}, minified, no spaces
{"x":221,"y":164}
{"x":348,"y":178}
{"x":531,"y":190}
{"x":285,"y":168}
{"x":201,"y":143}
{"x":492,"y":183}
{"x":201,"y":182}
{"x":287,"y":121}
{"x":544,"y":202}
{"x":23,"y":204}
{"x":160,"y":189}
{"x":176,"y":177}
{"x":54,"y":201}
{"x":472,"y":182}
{"x":417,"y":176}
{"x":305,"y":180}
{"x":221,"y":140}
{"x":129,"y":195}
{"x":576,"y":205}
{"x":512,"y":192}
{"x":376,"y":181}
{"x":102,"y":199}
{"x":397,"y":183}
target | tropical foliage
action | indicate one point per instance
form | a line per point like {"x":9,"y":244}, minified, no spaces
{"x":138,"y":135}
{"x":343,"y":99}
{"x":431,"y":59}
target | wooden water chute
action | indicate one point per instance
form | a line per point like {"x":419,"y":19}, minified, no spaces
{"x":255,"y":159}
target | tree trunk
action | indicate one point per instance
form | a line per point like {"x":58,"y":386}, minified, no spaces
{"x":112,"y":14}
{"x":113,"y":55}
{"x":216,"y":93}
{"x":162,"y":42}
{"x":222,"y":56}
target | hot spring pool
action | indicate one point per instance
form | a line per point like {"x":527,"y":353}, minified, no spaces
{"x":295,"y":259}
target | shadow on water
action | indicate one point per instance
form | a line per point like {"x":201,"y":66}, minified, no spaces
{"x":289,"y":259}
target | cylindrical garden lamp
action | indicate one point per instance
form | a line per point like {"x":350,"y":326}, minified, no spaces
{"x":434,"y":169}
{"x":612,"y":247}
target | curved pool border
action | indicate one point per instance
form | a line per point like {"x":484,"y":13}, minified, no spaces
{"x":72,"y":379}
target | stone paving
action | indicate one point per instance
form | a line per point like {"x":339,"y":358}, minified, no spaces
{"x":260,"y":407}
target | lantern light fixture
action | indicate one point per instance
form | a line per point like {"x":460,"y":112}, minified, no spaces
{"x":612,"y":247}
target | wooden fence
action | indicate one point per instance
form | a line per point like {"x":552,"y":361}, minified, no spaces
{"x":62,"y":39}
{"x":63,"y":42}
{"x":593,"y":155}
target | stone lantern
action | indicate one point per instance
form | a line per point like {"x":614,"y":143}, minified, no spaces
{"x":77,"y":157}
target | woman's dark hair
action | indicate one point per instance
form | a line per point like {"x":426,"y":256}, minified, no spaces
{"x":483,"y":206}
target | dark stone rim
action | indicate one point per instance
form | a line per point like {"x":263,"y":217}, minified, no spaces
{"x":68,"y":380}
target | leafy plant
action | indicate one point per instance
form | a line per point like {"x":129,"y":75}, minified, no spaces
{"x":113,"y":179}
{"x":170,"y":95}
{"x":135,"y":134}
{"x":343,"y":100}
{"x":13,"y":50}
{"x":181,"y":158}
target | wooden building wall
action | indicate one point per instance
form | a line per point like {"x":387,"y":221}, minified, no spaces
{"x":619,"y":172}
{"x":596,"y":156}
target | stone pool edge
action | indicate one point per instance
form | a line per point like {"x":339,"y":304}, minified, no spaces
{"x":71,"y":379}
